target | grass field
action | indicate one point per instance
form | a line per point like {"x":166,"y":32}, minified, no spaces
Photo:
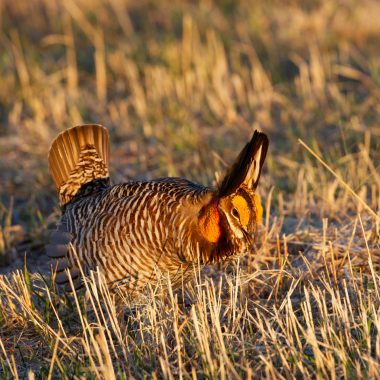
{"x":181,"y":86}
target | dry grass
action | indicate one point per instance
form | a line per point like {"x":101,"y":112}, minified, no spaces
{"x":181,"y":85}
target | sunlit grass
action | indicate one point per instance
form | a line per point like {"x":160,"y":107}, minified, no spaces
{"x":181,"y":86}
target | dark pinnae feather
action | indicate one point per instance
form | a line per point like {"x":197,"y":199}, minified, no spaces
{"x":239,"y":170}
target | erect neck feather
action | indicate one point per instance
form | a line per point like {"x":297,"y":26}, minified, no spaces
{"x":209,"y":222}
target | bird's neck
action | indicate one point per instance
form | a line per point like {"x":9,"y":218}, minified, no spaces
{"x":209,"y":222}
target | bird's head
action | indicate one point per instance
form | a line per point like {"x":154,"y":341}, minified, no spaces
{"x":229,"y":221}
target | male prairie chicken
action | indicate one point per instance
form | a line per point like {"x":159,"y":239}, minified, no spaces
{"x":137,"y":231}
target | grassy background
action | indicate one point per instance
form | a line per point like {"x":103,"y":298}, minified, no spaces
{"x":181,"y":85}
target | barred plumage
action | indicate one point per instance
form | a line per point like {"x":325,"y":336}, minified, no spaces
{"x":138,"y":231}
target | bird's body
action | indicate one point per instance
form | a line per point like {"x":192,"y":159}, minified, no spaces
{"x":123,"y":230}
{"x":138,"y":232}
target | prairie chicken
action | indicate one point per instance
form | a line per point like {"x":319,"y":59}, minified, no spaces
{"x":137,"y":231}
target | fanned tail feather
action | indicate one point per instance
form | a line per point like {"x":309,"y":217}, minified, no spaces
{"x":78,"y":156}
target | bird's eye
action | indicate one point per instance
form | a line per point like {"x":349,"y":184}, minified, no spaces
{"x":235,"y":212}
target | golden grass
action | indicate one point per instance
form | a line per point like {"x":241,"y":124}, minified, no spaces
{"x":181,"y":86}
